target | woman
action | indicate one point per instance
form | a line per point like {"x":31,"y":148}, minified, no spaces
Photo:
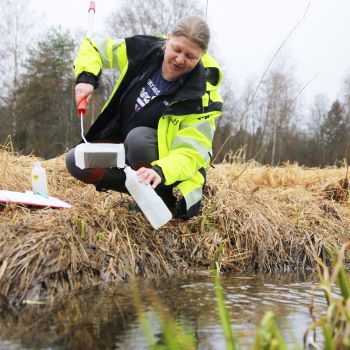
{"x":163,"y":108}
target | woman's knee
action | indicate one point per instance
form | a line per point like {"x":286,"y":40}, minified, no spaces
{"x":141,"y":145}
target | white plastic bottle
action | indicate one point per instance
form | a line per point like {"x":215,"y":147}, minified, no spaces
{"x":147,"y":199}
{"x":39,"y":181}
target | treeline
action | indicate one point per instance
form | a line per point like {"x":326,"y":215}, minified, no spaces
{"x":40,"y":116}
{"x":268,"y":123}
{"x":274,"y":127}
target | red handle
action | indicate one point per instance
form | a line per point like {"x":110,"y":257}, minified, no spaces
{"x":92,"y":6}
{"x":82,"y":107}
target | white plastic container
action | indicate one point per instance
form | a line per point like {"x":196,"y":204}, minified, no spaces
{"x":147,"y":199}
{"x":99,"y":155}
{"x":39,"y":181}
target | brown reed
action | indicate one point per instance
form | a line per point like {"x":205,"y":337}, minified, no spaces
{"x":254,"y":217}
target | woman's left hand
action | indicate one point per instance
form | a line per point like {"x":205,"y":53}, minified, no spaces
{"x":149,"y":176}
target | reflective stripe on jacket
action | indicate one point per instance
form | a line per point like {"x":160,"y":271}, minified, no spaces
{"x":186,"y":129}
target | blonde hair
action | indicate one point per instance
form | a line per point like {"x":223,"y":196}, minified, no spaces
{"x":193,"y":28}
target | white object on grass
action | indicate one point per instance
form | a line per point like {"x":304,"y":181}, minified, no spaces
{"x":31,"y":198}
{"x":39,"y":181}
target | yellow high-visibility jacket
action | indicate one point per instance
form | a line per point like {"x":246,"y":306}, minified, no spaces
{"x":186,"y":128}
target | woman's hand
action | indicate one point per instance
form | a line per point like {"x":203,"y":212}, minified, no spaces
{"x":83,"y":90}
{"x":149,"y":176}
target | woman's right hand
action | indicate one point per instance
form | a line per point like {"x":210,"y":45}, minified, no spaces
{"x":83,"y":90}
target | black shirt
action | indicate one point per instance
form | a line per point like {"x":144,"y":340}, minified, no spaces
{"x":145,"y":101}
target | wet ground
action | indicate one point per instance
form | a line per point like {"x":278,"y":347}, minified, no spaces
{"x":105,"y":317}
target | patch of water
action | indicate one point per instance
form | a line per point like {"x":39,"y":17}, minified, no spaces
{"x":105,"y":317}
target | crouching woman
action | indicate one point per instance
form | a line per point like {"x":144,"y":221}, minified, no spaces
{"x":163,"y":108}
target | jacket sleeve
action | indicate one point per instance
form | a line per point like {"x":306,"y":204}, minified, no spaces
{"x":190,"y":149}
{"x":188,"y":140}
{"x":94,"y":55}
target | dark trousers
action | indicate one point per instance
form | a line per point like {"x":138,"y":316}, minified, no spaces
{"x":141,"y":148}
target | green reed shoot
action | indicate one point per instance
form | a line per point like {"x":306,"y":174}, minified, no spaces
{"x":268,"y":336}
{"x":174,"y":337}
{"x":224,"y":316}
{"x":335,"y":325}
{"x":81,"y":225}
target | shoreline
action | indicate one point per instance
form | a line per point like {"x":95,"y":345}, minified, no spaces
{"x":254,"y":218}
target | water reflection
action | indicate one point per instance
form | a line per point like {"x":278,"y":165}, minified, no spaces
{"x":248,"y":299}
{"x":105,"y":318}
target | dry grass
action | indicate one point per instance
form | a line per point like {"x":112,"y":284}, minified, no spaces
{"x":254,"y":218}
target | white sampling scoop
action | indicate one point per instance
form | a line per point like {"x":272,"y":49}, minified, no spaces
{"x":99,"y":155}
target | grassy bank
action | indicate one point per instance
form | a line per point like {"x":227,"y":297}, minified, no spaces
{"x":254,"y":218}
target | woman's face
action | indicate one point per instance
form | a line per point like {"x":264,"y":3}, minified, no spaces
{"x":181,"y":55}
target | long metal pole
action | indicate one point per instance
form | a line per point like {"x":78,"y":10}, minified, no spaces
{"x":83,"y":102}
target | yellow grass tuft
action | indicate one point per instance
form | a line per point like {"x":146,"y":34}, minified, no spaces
{"x":254,"y":218}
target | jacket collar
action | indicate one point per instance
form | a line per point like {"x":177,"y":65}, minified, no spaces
{"x":194,"y":84}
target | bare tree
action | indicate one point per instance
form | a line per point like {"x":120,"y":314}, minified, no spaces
{"x":346,"y":97}
{"x":151,"y":17}
{"x":318,"y":117}
{"x":16,"y":24}
{"x":278,"y":93}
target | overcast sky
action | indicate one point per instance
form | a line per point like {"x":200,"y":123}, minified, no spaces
{"x":247,"y":33}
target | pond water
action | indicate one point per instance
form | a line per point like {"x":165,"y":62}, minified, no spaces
{"x":105,"y":317}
